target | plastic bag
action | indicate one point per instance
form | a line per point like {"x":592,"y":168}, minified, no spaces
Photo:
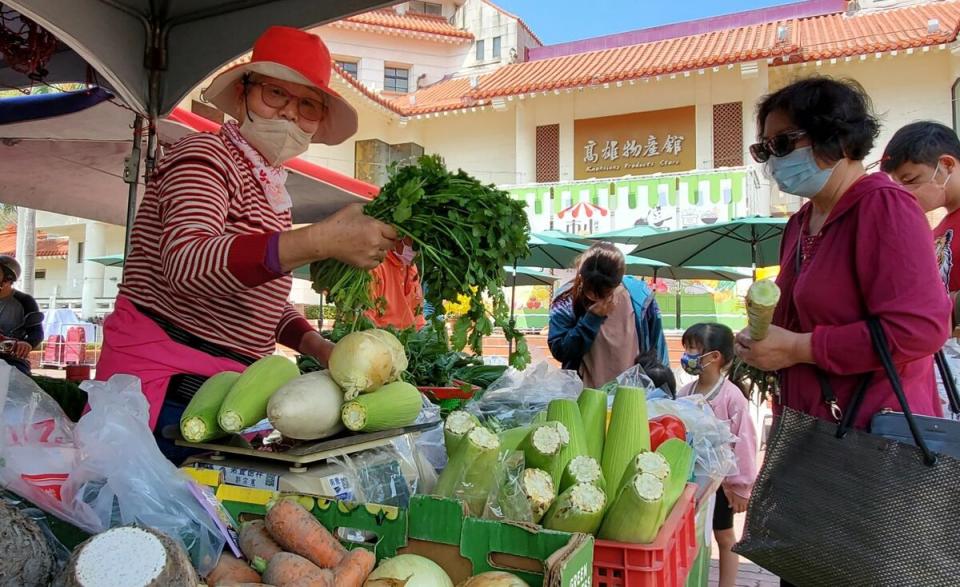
{"x":429,"y":442}
{"x":518,"y":396}
{"x":710,"y":436}
{"x":104,"y":471}
{"x":388,"y":475}
{"x":507,"y":501}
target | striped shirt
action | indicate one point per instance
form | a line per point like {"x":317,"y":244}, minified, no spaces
{"x":199,"y":246}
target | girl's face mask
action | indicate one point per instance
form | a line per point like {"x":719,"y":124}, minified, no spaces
{"x":693,"y":363}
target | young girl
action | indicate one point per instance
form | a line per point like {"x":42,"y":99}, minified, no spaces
{"x":708,"y":351}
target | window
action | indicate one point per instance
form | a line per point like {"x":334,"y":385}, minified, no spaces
{"x":40,"y":274}
{"x":396,"y":79}
{"x":496,"y":47}
{"x":728,"y":134}
{"x":350,"y":67}
{"x":431,"y":8}
{"x":80,"y":252}
{"x":548,"y":153}
{"x":480,"y":50}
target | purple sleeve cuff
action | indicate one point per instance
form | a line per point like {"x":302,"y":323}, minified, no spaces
{"x":272,"y":254}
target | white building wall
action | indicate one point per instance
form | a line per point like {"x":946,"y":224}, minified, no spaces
{"x":373,"y":51}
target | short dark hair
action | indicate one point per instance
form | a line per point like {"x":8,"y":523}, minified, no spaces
{"x":920,"y":142}
{"x":836,"y":115}
{"x":710,"y":337}
{"x":661,"y":375}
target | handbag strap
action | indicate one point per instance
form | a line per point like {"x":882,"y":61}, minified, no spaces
{"x":949,"y":383}
{"x":882,"y":348}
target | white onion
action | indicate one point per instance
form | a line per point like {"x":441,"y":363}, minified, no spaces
{"x":366,"y":361}
{"x":408,"y":570}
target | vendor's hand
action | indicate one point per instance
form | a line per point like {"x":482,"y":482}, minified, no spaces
{"x":779,"y":350}
{"x":956,"y":333}
{"x":315,"y":345}
{"x":354,"y":238}
{"x":22,"y":349}
{"x":604,"y":306}
{"x":737,"y":504}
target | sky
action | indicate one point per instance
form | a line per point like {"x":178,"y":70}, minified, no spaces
{"x":558,"y":21}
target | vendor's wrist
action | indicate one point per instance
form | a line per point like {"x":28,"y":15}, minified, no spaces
{"x":803,"y":348}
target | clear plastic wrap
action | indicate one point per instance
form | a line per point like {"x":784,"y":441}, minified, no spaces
{"x":388,"y":475}
{"x":507,"y":501}
{"x":103,"y":471}
{"x":519,"y":396}
{"x":429,"y":442}
{"x":710,"y":436}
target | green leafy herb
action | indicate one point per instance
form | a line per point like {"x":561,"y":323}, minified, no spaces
{"x":465,"y":232}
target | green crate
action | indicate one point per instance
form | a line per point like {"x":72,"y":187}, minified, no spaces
{"x":439,"y":529}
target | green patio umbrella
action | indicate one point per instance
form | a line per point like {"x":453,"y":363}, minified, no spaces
{"x":747,"y":242}
{"x":627,"y":236}
{"x":569,"y":236}
{"x":550,"y":252}
{"x":681,"y":273}
{"x":527,"y":277}
{"x":108,"y":260}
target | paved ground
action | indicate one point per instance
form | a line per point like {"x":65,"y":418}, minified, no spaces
{"x":750,"y":575}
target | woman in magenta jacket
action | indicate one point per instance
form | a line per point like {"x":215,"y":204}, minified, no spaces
{"x":860,"y":247}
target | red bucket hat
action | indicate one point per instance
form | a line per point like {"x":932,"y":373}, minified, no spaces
{"x":294,"y":56}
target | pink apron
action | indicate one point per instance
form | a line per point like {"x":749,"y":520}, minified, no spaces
{"x":134,"y":344}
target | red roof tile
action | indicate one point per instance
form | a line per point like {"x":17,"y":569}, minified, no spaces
{"x":807,"y":39}
{"x":637,"y":61}
{"x":408,"y":22}
{"x":47,"y":247}
{"x":444,"y":95}
{"x":838,"y":35}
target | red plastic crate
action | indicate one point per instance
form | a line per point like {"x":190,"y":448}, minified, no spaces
{"x":665,"y":562}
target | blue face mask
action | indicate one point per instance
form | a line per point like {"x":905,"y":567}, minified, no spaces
{"x":693,"y":364}
{"x":797,"y":173}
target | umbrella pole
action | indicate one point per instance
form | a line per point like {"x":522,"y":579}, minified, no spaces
{"x":131,"y":175}
{"x":679,"y":290}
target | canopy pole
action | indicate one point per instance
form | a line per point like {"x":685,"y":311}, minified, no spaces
{"x":753,"y":257}
{"x":131,"y":175}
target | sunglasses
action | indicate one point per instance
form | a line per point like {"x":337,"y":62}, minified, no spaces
{"x":780,"y":145}
{"x":276,"y":97}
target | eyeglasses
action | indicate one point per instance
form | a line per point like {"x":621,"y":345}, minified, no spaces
{"x":780,"y":145}
{"x":276,"y":97}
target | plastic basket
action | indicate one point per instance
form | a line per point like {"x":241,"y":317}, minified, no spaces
{"x":665,"y":562}
{"x":451,"y":397}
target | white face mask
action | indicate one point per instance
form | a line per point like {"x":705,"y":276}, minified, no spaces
{"x":278,"y":140}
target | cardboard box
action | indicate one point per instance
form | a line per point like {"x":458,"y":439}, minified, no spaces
{"x":440,"y":530}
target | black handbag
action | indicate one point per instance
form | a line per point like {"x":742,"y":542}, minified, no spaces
{"x":838,"y":506}
{"x":942,"y":435}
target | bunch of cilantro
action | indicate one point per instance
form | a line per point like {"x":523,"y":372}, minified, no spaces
{"x":464,"y":233}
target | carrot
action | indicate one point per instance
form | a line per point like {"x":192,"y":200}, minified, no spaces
{"x":354,"y":568}
{"x":297,"y":531}
{"x":230,"y":570}
{"x":256,"y":543}
{"x":290,"y":570}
